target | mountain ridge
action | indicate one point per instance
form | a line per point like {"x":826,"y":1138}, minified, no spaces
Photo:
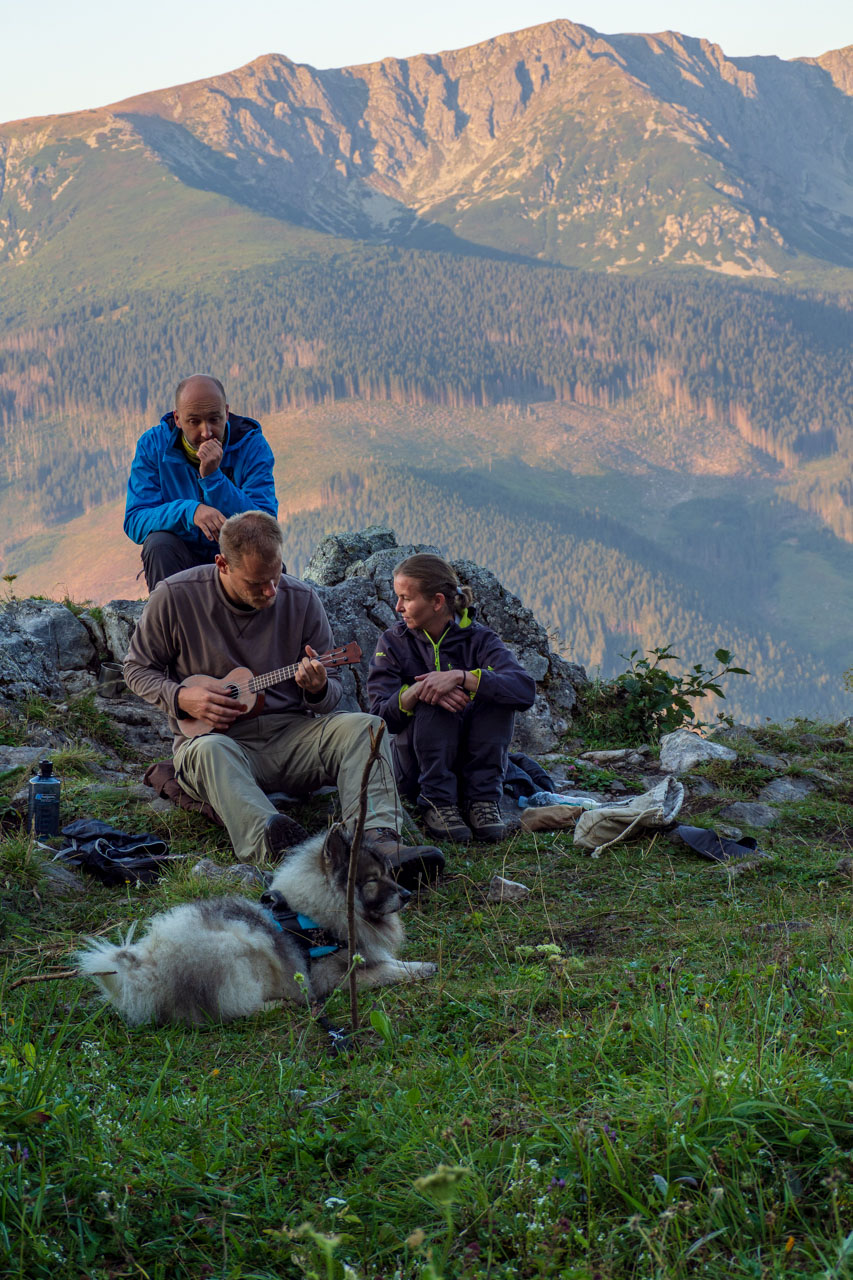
{"x":554,"y":143}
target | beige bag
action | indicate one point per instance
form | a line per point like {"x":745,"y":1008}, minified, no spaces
{"x":597,"y":829}
{"x":550,"y":817}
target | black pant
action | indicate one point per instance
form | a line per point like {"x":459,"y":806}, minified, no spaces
{"x":448,"y":757}
{"x":165,"y":553}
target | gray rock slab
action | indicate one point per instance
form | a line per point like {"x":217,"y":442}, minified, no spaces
{"x":824,"y":779}
{"x":651,"y":780}
{"x":777,"y":763}
{"x":62,"y":636}
{"x":25,"y":667}
{"x":750,"y":814}
{"x":341,"y":551}
{"x":501,"y":890}
{"x":120,"y":619}
{"x":245,"y":875}
{"x":21,"y":757}
{"x":617,"y":756}
{"x":682,"y":750}
{"x":76,"y":683}
{"x":60,"y":881}
{"x":786,"y":790}
{"x":699,"y":787}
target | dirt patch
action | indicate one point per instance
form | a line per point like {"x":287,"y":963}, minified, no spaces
{"x":603,"y":936}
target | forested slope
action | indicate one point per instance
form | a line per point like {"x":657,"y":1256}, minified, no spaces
{"x":600,"y":590}
{"x":430,"y":328}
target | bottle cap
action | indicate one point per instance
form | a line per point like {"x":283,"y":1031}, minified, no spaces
{"x":46,"y":768}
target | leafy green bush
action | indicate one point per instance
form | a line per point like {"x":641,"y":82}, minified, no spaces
{"x":647,"y":700}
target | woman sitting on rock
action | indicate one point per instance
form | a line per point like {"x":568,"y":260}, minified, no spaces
{"x":448,"y":688}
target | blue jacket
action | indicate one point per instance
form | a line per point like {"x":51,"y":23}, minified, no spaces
{"x":164,"y":488}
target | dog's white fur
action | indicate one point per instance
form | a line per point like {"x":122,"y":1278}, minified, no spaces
{"x":225,"y":958}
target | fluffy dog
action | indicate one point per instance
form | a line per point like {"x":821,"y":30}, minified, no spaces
{"x":225,"y":958}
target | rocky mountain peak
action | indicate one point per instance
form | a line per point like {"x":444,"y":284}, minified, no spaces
{"x":554,"y":142}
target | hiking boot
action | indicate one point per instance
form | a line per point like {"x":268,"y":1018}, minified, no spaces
{"x":282,"y":834}
{"x":486,"y":821}
{"x":445,"y":822}
{"x":410,"y":865}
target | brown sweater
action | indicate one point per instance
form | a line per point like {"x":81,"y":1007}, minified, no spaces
{"x":190,"y":627}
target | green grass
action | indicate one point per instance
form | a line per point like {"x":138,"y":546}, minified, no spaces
{"x":642,"y":1072}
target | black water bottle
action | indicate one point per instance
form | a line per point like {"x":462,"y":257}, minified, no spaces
{"x":43,"y":802}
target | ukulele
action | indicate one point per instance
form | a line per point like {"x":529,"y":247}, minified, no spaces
{"x":246,"y":688}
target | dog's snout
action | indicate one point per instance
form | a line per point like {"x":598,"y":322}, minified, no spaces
{"x":405,"y":894}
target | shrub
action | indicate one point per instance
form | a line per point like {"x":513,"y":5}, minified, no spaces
{"x":647,"y":700}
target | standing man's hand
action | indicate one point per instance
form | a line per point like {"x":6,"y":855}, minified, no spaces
{"x":209,"y":457}
{"x":209,"y":520}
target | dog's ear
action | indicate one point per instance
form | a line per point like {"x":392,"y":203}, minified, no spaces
{"x":337,"y":846}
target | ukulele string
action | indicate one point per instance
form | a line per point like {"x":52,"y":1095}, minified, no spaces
{"x":275,"y":677}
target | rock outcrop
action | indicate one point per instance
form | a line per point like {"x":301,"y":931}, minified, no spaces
{"x":47,"y":650}
{"x":354,"y":577}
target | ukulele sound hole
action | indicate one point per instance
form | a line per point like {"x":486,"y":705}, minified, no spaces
{"x":231,"y":691}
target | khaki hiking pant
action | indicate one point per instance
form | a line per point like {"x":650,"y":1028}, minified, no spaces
{"x":293,"y":753}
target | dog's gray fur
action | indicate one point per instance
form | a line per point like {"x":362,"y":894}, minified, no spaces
{"x":224,"y":958}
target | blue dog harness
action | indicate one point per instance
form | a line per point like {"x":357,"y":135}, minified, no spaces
{"x":312,"y":939}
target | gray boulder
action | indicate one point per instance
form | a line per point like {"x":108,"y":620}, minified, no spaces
{"x":682,"y":750}
{"x":25,"y":668}
{"x":750,"y":814}
{"x":349,"y":607}
{"x":353,"y":575}
{"x":786,"y":790}
{"x":62,"y":636}
{"x":536,"y":730}
{"x":120,"y":619}
{"x":339,"y":551}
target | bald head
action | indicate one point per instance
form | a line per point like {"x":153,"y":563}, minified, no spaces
{"x":201,"y":410}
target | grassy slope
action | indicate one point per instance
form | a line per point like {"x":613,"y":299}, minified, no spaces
{"x":124,"y":221}
{"x":666,"y":1096}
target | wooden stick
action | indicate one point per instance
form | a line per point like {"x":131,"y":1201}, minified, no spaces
{"x":355,"y":849}
{"x":47,"y":977}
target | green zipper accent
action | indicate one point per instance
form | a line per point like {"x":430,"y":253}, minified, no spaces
{"x":436,"y":645}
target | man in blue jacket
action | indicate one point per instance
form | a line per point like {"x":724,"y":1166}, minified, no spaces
{"x":198,"y":466}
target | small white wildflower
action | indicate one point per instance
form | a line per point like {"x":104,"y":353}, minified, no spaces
{"x":334,"y":1202}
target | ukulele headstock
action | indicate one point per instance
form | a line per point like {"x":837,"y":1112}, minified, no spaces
{"x":346,"y":655}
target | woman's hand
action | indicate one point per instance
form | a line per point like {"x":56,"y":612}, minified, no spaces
{"x":443,"y":689}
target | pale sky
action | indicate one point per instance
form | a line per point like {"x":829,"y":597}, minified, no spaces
{"x":58,"y":56}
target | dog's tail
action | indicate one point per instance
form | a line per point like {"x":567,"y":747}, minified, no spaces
{"x":120,"y":975}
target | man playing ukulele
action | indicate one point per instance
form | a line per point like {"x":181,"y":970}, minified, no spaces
{"x":242,"y":611}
